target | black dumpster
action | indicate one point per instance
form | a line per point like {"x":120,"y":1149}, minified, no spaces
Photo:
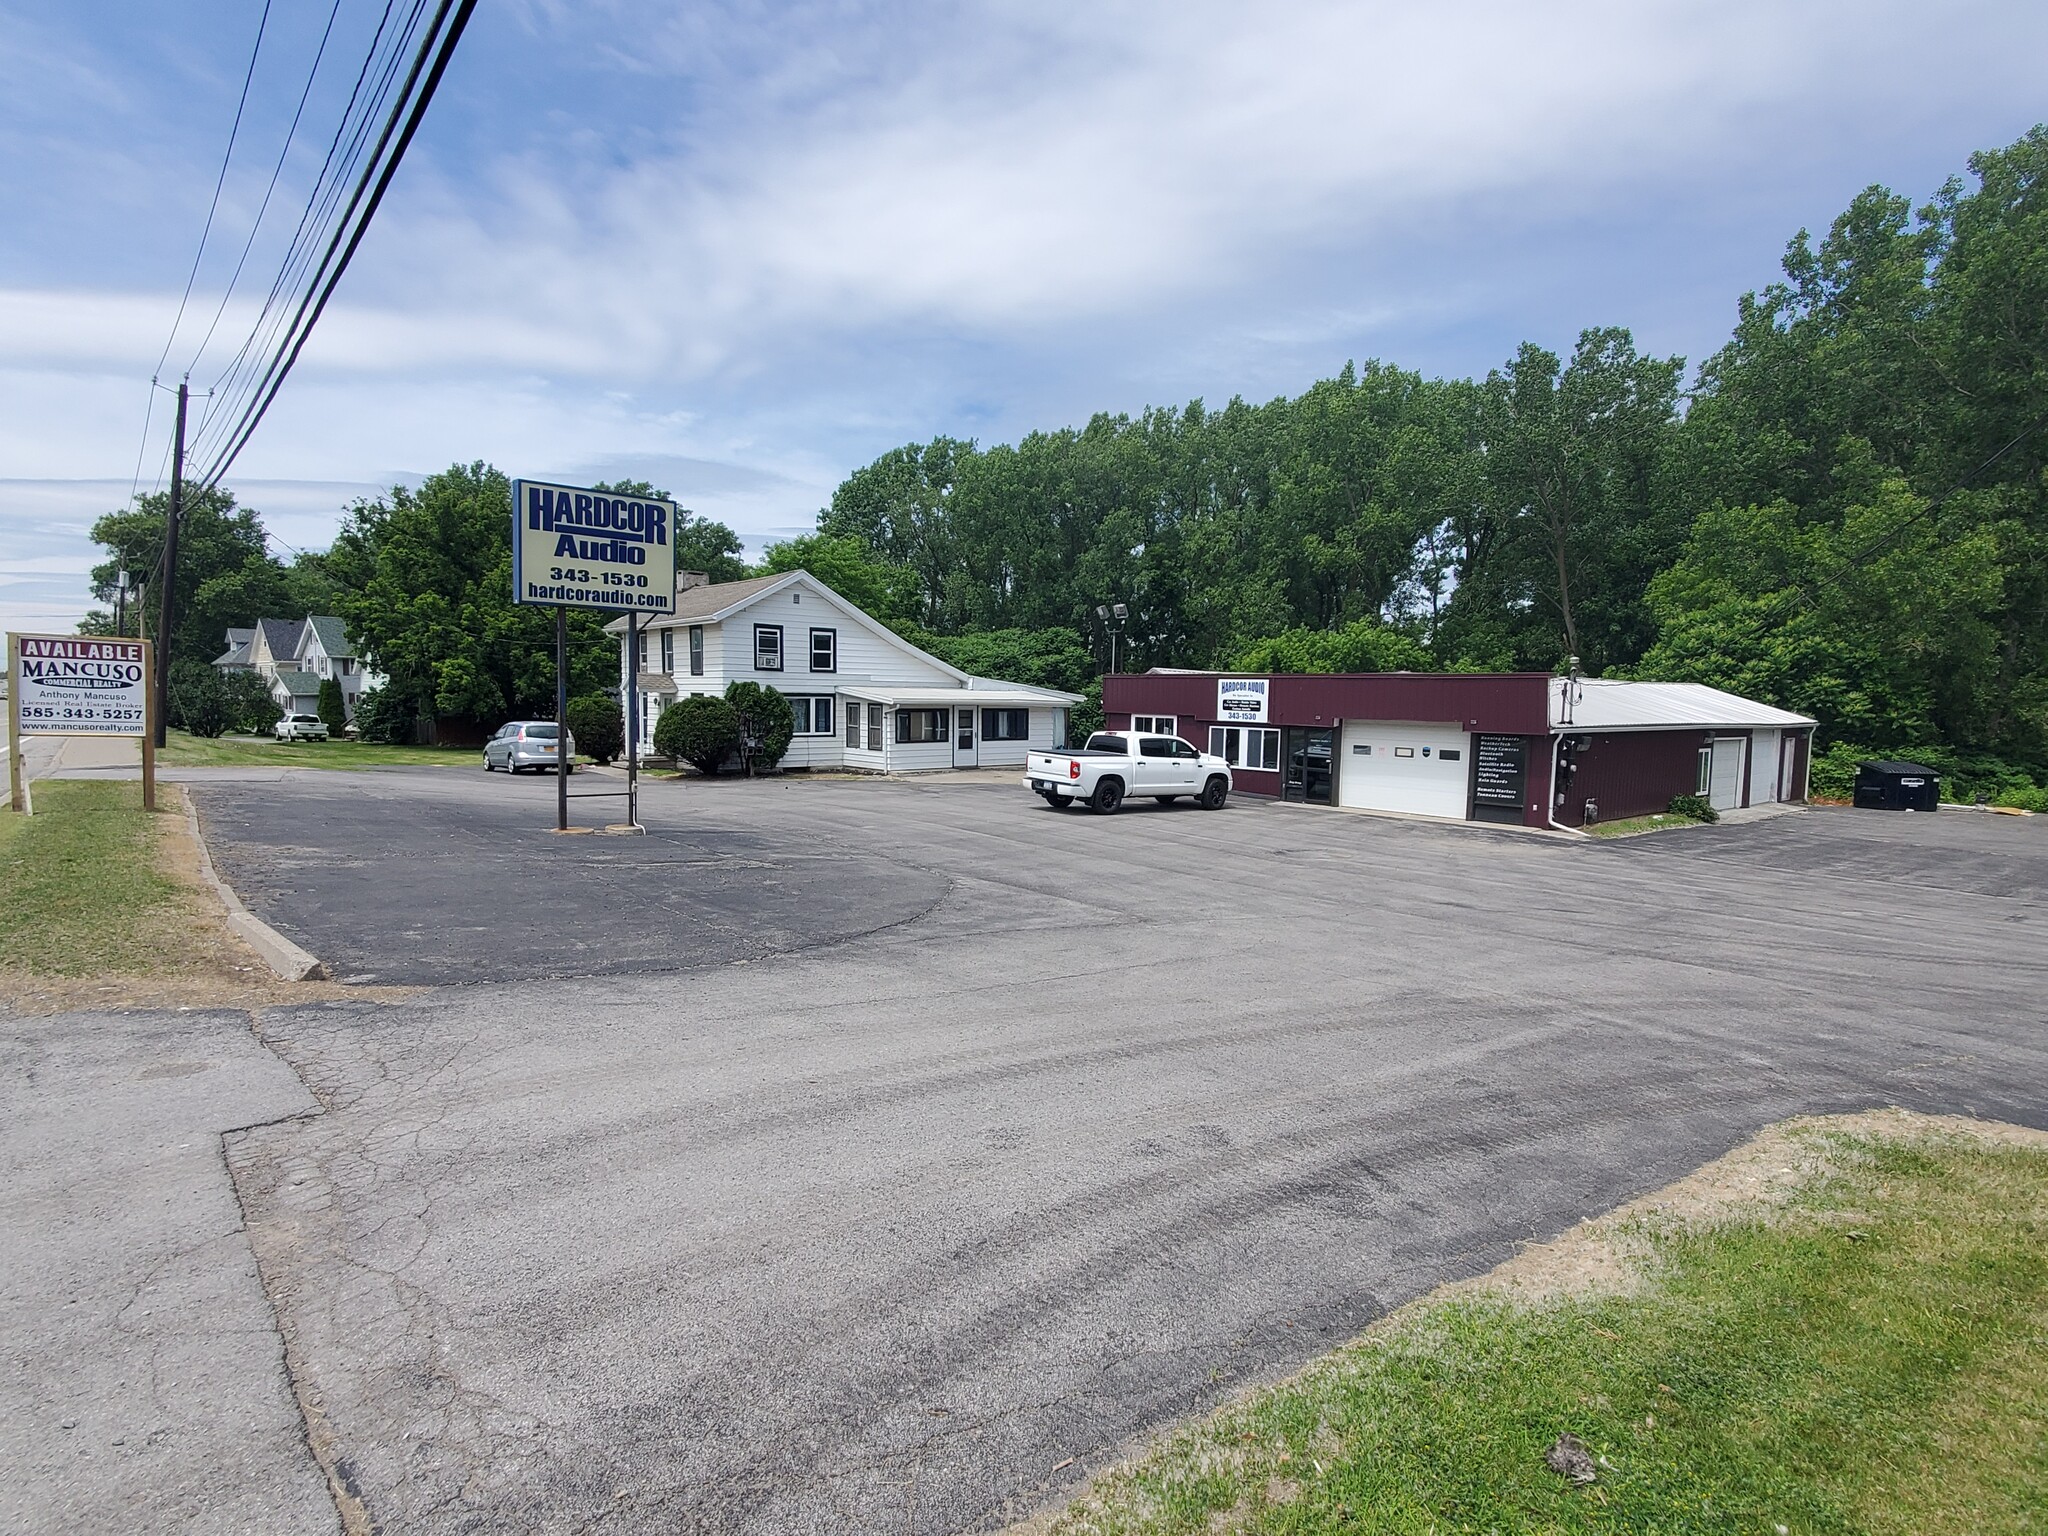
{"x":1897,"y":787}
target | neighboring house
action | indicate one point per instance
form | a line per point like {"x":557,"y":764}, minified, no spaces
{"x":295,"y":656}
{"x":864,"y":697}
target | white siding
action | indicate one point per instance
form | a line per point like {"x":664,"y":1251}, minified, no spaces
{"x":864,"y":657}
{"x":1046,"y":727}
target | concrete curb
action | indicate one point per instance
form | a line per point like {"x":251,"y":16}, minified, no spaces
{"x":278,"y":952}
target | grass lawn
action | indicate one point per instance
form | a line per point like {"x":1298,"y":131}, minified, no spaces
{"x":1630,"y":826}
{"x":186,"y":751}
{"x":89,"y":890}
{"x":1864,"y":1349}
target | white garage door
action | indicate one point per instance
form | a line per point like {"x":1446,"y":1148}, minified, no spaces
{"x":1763,"y":767}
{"x":1423,"y":770}
{"x":1724,"y":792}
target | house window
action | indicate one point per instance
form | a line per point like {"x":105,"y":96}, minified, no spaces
{"x":824,"y":650}
{"x":1157,"y":725}
{"x":1703,"y":776}
{"x":874,"y":727}
{"x":914,"y":725}
{"x":813,"y":715}
{"x":348,"y":666}
{"x":643,"y":650}
{"x":668,"y":651}
{"x":696,"y":650}
{"x":1005,"y":724}
{"x":1245,"y":748}
{"x":767,"y":647}
{"x":853,"y":726}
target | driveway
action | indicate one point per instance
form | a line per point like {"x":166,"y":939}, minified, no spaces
{"x":924,"y":1146}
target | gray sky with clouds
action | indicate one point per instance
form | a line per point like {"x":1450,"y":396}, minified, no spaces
{"x":742,"y":249}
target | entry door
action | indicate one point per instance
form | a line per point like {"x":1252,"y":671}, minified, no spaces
{"x":963,"y":739}
{"x":1763,"y":767}
{"x":1724,"y":789}
{"x":1788,"y":759}
{"x":1306,"y":764}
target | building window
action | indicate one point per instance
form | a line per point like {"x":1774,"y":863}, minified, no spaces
{"x":348,"y":666}
{"x":1245,"y":748}
{"x":1006,"y":725}
{"x":767,"y":647}
{"x":914,"y":725}
{"x":1157,"y":725}
{"x":668,"y":651}
{"x":643,"y":650}
{"x":874,"y":727}
{"x":824,"y":650}
{"x":696,"y":650}
{"x":1703,"y":776}
{"x":853,"y":726}
{"x":813,"y":715}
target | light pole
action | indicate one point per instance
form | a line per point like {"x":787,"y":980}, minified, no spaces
{"x":1112,"y":616}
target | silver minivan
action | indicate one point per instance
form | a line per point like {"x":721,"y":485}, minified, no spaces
{"x":522,"y":744}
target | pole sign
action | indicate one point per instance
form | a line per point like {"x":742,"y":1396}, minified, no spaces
{"x":578,"y":548}
{"x":1242,"y":700}
{"x":74,"y":685}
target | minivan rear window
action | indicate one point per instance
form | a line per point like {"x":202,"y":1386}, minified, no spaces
{"x":1107,"y":744}
{"x":543,"y":732}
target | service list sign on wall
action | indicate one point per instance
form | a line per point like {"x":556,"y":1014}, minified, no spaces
{"x":1242,"y":700}
{"x":1500,"y":770}
{"x":74,"y":685}
{"x":579,"y":548}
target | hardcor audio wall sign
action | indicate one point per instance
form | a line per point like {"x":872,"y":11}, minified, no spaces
{"x":581,"y":548}
{"x":1242,"y":699}
{"x":72,"y":685}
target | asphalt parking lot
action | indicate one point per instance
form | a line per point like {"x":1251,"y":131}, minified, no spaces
{"x":920,"y":1148}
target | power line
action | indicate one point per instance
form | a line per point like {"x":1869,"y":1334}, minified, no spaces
{"x":220,"y":181}
{"x":428,"y":67}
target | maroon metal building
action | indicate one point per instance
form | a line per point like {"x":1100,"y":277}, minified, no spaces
{"x":1523,"y":748}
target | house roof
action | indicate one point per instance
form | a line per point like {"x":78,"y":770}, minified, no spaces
{"x":281,"y":637}
{"x":333,"y":634}
{"x":1610,"y":704}
{"x":240,"y":636}
{"x":298,"y":684}
{"x":237,"y":653}
{"x":984,"y":691}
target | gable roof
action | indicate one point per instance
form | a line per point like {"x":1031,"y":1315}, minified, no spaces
{"x":1611,"y":704}
{"x":332,"y":634}
{"x":298,"y":684}
{"x":280,"y":638}
{"x":237,"y":653}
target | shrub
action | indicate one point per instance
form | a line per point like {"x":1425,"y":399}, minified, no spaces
{"x":1086,"y":717}
{"x":1693,"y":808}
{"x":700,"y":729}
{"x":385,"y":716}
{"x":247,"y":701}
{"x":599,"y":726}
{"x":332,"y":712}
{"x":198,"y":701}
{"x":2024,"y":800}
{"x":766,"y":724}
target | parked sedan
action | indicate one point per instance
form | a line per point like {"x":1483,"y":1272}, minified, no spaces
{"x":300,"y":728}
{"x":522,"y":744}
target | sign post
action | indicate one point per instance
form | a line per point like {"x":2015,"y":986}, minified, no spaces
{"x":578,"y":547}
{"x":78,"y":685}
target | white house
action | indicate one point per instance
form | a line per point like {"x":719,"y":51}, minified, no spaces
{"x":295,"y":656}
{"x":865,"y":698}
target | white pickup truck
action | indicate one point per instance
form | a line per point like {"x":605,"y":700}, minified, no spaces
{"x":1118,"y":764}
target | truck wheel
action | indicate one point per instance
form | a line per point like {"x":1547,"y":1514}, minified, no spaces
{"x":1057,"y":802}
{"x":1109,"y":794}
{"x":1214,"y":793}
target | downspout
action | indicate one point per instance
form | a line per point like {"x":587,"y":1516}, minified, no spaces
{"x":1550,"y":810}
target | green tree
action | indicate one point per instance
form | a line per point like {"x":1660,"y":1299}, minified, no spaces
{"x":1045,"y":658}
{"x":700,"y":729}
{"x":385,"y":716}
{"x":248,"y":703}
{"x":701,"y":544}
{"x":1361,"y":646}
{"x":844,"y":563}
{"x":766,"y":724}
{"x":332,"y":711}
{"x":198,"y":703}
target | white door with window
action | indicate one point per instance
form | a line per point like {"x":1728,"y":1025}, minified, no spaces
{"x":965,"y":754}
{"x":1724,"y":788}
{"x":1420,"y":770}
{"x":1763,"y":767}
{"x":1788,"y":764}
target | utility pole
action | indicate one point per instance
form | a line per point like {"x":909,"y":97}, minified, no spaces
{"x":121,"y":601}
{"x":170,"y":578}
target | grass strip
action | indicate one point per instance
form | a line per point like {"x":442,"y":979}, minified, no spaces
{"x":187,"y":751}
{"x":1867,"y":1354}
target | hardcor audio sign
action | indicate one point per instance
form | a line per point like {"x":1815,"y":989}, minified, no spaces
{"x":582,"y":548}
{"x":1242,"y":699}
{"x":70,"y":685}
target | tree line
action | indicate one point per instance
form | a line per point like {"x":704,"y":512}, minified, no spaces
{"x":1842,"y":511}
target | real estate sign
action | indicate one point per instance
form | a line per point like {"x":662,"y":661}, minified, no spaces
{"x":579,"y":548}
{"x":1242,"y":700}
{"x":77,"y":685}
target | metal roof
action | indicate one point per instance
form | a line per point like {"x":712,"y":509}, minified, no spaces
{"x":1611,"y":704}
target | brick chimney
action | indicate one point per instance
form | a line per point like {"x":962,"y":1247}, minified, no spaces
{"x":688,"y":579}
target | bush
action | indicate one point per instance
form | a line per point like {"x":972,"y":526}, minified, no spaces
{"x":332,"y":712}
{"x":1967,"y":778}
{"x":1693,"y":808}
{"x":766,"y":724}
{"x":384,"y":716}
{"x":198,"y":701}
{"x":2024,"y":800}
{"x":599,"y":726}
{"x":1085,"y":718}
{"x":700,"y":729}
{"x":249,"y":706}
